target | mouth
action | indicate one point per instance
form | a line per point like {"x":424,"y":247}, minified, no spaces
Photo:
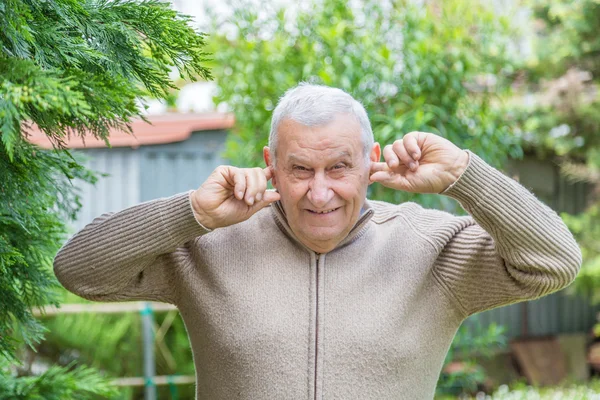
{"x":328,"y":211}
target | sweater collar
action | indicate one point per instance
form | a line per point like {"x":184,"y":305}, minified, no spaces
{"x":357,"y":230}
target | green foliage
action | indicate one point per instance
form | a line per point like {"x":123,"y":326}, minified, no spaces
{"x":57,"y":383}
{"x":78,"y":66}
{"x":110,"y":342}
{"x":586,"y":228}
{"x":569,"y":36}
{"x":461,"y":373}
{"x":437,"y":68}
{"x":113,"y":343}
{"x":563,"y":122}
{"x":101,"y":340}
{"x":36,"y":200}
{"x":71,"y":67}
{"x":566,"y":119}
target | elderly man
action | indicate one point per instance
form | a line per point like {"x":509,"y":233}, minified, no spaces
{"x":311,"y":291}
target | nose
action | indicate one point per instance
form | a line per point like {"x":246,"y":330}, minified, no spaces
{"x":319,"y":190}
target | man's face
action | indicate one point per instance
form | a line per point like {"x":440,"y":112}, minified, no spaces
{"x":322,"y":177}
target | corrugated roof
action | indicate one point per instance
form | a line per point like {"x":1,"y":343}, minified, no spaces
{"x":166,"y":128}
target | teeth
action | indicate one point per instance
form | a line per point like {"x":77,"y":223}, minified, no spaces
{"x":325,"y":212}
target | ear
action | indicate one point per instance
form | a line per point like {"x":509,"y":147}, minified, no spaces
{"x":269,"y":163}
{"x":375,"y":155}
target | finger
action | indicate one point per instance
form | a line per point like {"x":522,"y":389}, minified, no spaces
{"x":268,"y":172}
{"x":383,"y":167}
{"x":239,"y":181}
{"x":270,"y":196}
{"x":261,"y":184}
{"x":256,"y":185}
{"x":392,"y":180}
{"x":390,"y":157}
{"x":381,"y":176}
{"x":379,"y":166}
{"x":251,"y":186}
{"x":402,"y":154}
{"x":411,"y":144}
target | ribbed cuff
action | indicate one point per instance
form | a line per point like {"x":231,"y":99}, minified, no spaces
{"x":477,"y":183}
{"x":178,"y":219}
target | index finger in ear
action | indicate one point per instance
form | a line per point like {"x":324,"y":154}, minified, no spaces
{"x":268,"y":172}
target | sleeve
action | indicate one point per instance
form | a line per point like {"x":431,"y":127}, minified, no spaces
{"x":512,"y":248}
{"x":135,"y":254}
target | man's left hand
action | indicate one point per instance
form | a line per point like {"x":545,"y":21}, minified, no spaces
{"x":420,"y":162}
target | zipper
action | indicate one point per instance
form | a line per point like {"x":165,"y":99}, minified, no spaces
{"x":281,"y":221}
{"x":317,"y":322}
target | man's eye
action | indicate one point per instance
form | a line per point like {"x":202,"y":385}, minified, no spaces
{"x":301,"y":172}
{"x":339,"y":167}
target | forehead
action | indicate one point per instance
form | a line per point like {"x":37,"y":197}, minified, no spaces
{"x":341,"y":137}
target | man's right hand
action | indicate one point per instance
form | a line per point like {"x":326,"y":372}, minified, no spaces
{"x":231,"y":195}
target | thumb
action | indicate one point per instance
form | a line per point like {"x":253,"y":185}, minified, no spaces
{"x":392,"y":180}
{"x":381,"y":176}
{"x":269,"y":197}
{"x":377,"y":166}
{"x":380,"y":172}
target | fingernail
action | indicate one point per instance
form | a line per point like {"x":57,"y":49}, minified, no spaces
{"x":412,"y":165}
{"x":416,"y":156}
{"x":251,"y":200}
{"x":258,"y":196}
{"x":240,"y":194}
{"x":393,"y":163}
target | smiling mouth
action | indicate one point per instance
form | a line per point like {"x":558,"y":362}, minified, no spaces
{"x":324,"y":211}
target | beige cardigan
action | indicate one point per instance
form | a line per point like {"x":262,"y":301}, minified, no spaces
{"x":372,"y":319}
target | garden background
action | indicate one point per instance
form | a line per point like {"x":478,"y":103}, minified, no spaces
{"x":514,"y":81}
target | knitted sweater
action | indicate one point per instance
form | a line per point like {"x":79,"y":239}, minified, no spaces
{"x":372,"y":319}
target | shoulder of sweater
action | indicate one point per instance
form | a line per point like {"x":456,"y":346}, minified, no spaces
{"x":385,"y":212}
{"x":436,"y":226}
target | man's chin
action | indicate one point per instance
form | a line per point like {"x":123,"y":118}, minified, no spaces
{"x":324,"y":241}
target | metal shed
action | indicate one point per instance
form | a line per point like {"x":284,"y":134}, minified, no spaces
{"x":172,"y":154}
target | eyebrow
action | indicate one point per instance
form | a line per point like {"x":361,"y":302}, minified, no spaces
{"x":342,"y":154}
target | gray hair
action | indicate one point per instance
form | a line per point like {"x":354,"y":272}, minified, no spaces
{"x":315,"y":105}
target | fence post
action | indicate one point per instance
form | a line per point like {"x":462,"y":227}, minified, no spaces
{"x":148,"y":343}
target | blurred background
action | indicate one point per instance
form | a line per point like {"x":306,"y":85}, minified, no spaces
{"x":514,"y":81}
